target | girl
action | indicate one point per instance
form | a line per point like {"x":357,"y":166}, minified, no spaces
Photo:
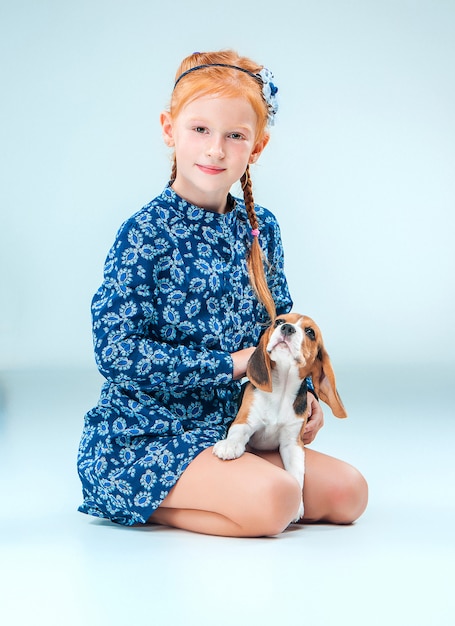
{"x":189,"y":284}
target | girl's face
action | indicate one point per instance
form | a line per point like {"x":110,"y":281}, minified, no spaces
{"x":214,"y":140}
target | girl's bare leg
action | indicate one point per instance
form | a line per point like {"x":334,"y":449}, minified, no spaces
{"x":245,"y":497}
{"x":253,"y":496}
{"x":334,"y":491}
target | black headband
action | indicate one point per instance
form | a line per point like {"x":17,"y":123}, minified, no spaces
{"x":256,"y":77}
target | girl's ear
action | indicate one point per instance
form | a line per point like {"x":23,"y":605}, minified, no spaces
{"x":167,"y":130}
{"x":258,"y":148}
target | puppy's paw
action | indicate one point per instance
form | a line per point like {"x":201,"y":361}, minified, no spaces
{"x":228,"y":450}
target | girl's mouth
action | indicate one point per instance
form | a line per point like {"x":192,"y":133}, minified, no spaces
{"x":212,"y":170}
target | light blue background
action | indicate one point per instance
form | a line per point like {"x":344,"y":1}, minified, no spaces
{"x":359,"y":170}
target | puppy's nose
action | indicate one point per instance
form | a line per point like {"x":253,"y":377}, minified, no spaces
{"x":287,"y":329}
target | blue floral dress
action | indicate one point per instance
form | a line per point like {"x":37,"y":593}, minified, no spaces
{"x":175,"y":302}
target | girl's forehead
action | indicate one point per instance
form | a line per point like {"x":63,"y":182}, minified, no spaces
{"x":221,"y":107}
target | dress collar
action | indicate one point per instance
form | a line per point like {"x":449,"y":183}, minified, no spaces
{"x":182,"y":205}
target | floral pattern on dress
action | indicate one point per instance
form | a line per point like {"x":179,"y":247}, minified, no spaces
{"x":175,"y":302}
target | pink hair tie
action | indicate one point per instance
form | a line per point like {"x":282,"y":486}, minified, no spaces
{"x":255,"y":232}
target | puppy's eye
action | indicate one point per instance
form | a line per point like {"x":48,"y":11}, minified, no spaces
{"x":279,"y":321}
{"x":310,"y":333}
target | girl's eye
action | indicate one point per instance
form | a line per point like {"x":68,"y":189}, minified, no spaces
{"x":236,"y":136}
{"x":200,"y":129}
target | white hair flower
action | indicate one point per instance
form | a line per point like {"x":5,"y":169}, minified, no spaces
{"x":269,"y":91}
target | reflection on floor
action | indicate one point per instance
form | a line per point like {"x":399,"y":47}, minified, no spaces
{"x":395,"y":566}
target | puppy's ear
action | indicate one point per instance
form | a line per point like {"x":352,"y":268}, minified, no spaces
{"x":259,"y":369}
{"x":323,"y":378}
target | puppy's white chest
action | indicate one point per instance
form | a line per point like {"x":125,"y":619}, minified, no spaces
{"x":273,"y":415}
{"x":275,"y":410}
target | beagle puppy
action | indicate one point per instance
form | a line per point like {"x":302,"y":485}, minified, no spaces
{"x":274,"y":408}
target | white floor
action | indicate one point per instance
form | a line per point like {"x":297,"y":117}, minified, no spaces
{"x":395,"y":566}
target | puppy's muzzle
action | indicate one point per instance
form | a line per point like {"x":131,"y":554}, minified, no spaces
{"x":287,"y":330}
{"x":286,"y":334}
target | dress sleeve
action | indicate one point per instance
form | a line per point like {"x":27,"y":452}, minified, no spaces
{"x":128,"y":350}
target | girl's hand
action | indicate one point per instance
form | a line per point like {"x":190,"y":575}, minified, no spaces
{"x":240,"y":360}
{"x":315,"y":420}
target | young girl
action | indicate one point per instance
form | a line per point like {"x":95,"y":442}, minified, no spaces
{"x":191,"y":281}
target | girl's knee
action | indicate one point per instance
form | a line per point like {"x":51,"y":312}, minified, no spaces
{"x":277,"y":506}
{"x":348,"y":497}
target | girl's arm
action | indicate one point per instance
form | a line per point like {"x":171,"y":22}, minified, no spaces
{"x":130,"y":348}
{"x":240,"y":360}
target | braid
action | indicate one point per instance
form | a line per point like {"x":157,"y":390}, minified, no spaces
{"x":174,"y":170}
{"x":256,"y":259}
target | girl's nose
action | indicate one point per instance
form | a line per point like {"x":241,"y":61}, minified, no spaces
{"x":215,"y":148}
